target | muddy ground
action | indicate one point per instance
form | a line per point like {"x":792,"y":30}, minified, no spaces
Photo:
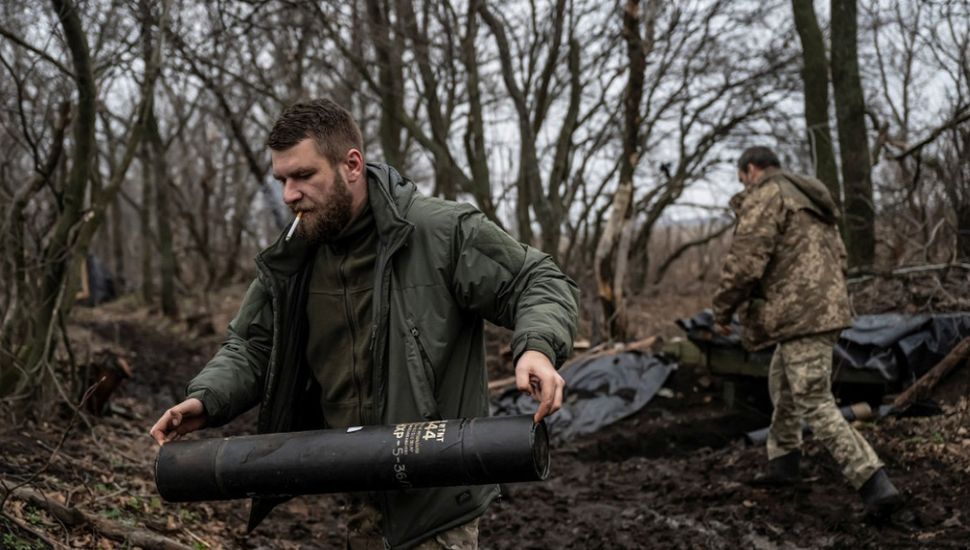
{"x":672,"y":476}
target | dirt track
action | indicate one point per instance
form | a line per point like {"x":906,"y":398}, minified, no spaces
{"x":669,"y":477}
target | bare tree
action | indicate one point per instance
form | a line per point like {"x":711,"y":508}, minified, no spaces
{"x":613,"y":248}
{"x":74,"y":226}
{"x":159,"y":172}
{"x":57,"y":256}
{"x":815,"y":77}
{"x":919,"y":56}
{"x":853,"y":140}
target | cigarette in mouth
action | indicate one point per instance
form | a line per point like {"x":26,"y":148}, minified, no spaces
{"x":289,"y":234}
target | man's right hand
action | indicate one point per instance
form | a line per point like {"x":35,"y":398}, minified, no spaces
{"x":187,"y":416}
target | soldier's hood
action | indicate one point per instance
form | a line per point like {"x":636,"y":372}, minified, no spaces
{"x":808,"y":192}
{"x":816,"y":192}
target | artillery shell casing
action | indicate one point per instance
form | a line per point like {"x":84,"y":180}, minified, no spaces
{"x":471,"y":451}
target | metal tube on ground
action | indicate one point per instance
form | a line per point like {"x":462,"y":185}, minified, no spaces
{"x":470,"y":451}
{"x":856,"y":411}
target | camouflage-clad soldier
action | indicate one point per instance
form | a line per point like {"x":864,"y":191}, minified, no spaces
{"x":784,"y":276}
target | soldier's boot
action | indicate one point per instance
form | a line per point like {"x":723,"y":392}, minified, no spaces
{"x":780,"y":471}
{"x":880,"y":495}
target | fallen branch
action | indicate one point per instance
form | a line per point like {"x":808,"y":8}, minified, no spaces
{"x":29,"y":529}
{"x":646,"y":345}
{"x":908,"y":270}
{"x":73,"y":517}
{"x":70,"y":426}
{"x":922,"y":387}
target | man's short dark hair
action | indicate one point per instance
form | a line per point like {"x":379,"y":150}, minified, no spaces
{"x":762,"y":157}
{"x":331,"y":126}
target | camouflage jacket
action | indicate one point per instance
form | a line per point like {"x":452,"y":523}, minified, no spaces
{"x":784,"y":272}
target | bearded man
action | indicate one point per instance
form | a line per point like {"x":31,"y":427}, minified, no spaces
{"x":373,"y":314}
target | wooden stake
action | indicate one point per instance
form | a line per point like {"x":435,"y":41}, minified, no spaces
{"x":922,"y":387}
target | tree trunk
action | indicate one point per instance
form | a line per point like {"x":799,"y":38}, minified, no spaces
{"x":954,"y":173}
{"x":163,"y":218}
{"x":205,"y":207}
{"x":160,"y":177}
{"x":475,"y":128}
{"x":57,"y":255}
{"x":243,"y":202}
{"x":390,"y":79}
{"x":523,"y":216}
{"x":559,"y":176}
{"x":963,"y":231}
{"x":609,"y":285}
{"x":853,"y":143}
{"x":147,"y":243}
{"x":118,"y":244}
{"x":815,"y":78}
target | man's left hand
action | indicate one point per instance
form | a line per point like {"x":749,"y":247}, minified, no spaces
{"x":723,"y":330}
{"x":536,"y":376}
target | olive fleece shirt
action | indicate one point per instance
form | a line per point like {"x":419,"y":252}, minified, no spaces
{"x":339,"y":313}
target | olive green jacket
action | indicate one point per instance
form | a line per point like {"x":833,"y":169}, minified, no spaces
{"x":784,"y":272}
{"x":442,"y":268}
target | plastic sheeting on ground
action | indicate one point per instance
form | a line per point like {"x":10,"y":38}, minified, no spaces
{"x":898,"y":347}
{"x":901,"y":347}
{"x":599,"y":391}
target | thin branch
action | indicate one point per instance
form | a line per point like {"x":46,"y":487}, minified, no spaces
{"x":662,"y":270}
{"x":962,"y":115}
{"x":33,"y":49}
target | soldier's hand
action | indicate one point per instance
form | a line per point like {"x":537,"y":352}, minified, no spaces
{"x":536,"y":376}
{"x":187,"y":416}
{"x":723,"y":330}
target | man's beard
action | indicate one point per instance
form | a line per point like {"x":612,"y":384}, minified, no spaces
{"x":323,"y":223}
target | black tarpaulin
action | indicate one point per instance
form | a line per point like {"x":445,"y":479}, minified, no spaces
{"x":899,"y":347}
{"x":599,"y":391}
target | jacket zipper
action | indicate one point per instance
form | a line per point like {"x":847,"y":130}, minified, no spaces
{"x":425,"y":358}
{"x":385,"y":251}
{"x":348,"y":310}
{"x":381,"y":307}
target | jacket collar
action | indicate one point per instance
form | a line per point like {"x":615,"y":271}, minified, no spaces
{"x":738,"y":198}
{"x":390,"y":197}
{"x":766,"y":175}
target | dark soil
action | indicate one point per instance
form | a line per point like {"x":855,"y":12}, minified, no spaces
{"x":671,"y":476}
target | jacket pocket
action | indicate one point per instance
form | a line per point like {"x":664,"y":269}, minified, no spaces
{"x":422,"y":377}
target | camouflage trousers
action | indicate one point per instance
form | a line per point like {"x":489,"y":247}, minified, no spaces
{"x":800,"y":384}
{"x":364,"y":532}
